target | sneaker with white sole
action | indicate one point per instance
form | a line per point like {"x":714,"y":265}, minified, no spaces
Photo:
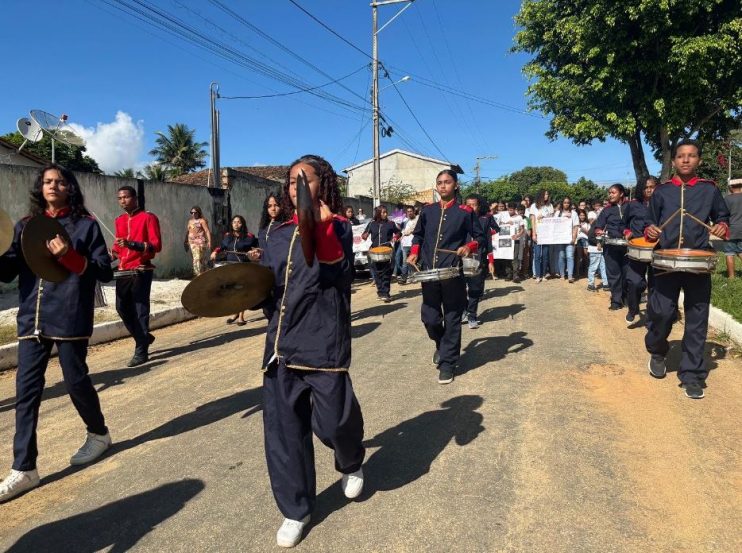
{"x":95,"y":445}
{"x":290,"y":532}
{"x":473,"y":324}
{"x":18,"y":482}
{"x":353,"y":484}
{"x":656,"y":365}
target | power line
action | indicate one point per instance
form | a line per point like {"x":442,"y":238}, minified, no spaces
{"x":295,"y":91}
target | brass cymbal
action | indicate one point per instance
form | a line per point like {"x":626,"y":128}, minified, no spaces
{"x":36,"y":233}
{"x":228,"y":289}
{"x":6,"y":231}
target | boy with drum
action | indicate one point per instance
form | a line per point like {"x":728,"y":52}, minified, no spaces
{"x":441,"y":237}
{"x":672,"y":210}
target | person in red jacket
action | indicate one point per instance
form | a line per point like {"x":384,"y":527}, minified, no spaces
{"x":137,"y":242}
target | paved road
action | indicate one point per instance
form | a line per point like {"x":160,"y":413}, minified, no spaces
{"x":552,"y":438}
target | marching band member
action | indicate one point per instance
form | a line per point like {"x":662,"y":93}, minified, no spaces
{"x":475,"y":284}
{"x":306,"y":385}
{"x":636,"y":282}
{"x":137,"y":242}
{"x":56,"y":313}
{"x":445,"y":226}
{"x":383,"y":232}
{"x":703,"y":200}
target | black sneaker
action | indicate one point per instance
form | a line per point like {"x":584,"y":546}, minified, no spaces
{"x":606,"y":288}
{"x":436,"y":357}
{"x":386,"y":299}
{"x":591,"y":287}
{"x":445,"y":375}
{"x":630,"y":319}
{"x":656,"y":365}
{"x":615,"y":307}
{"x":138,"y":359}
{"x":693,"y":391}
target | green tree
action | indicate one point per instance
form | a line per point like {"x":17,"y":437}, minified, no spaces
{"x":178,"y":151}
{"x":126,"y":173}
{"x":530,"y":178}
{"x":634,"y":70}
{"x":155,"y":172}
{"x":71,"y":157}
{"x":499,"y":190}
{"x":585,"y":189}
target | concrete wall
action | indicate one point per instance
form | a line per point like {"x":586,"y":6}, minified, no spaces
{"x":11,"y":156}
{"x":395,"y":168}
{"x":247,"y":195}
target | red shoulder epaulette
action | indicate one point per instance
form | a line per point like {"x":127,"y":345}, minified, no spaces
{"x":466,"y":208}
{"x":250,"y":235}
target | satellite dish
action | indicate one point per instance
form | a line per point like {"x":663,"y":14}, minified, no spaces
{"x":29,"y":129}
{"x":56,"y":127}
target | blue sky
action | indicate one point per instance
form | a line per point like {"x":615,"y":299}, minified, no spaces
{"x":121,"y":80}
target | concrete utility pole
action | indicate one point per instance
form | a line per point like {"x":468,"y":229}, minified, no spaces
{"x":375,"y":90}
{"x":215,"y":148}
{"x":477,"y":178}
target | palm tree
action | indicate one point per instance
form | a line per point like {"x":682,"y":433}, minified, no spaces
{"x":155,"y":172}
{"x":126,"y":173}
{"x":178,"y":150}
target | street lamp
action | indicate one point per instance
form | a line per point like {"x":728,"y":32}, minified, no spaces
{"x":402,"y":80}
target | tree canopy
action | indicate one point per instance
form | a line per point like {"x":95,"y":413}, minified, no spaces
{"x":178,"y":150}
{"x":653,"y":71}
{"x":71,"y":157}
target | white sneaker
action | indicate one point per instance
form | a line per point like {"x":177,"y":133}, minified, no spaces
{"x":289,"y":534}
{"x":473,"y":324}
{"x":18,"y":482}
{"x":353,"y":484}
{"x":95,"y":445}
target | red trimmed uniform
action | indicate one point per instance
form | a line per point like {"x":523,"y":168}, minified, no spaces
{"x":306,"y":385}
{"x":704,"y":200}
{"x":446,"y":226}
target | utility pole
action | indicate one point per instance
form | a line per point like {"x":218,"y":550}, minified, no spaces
{"x":477,"y":178}
{"x":375,"y":90}
{"x":215,"y":147}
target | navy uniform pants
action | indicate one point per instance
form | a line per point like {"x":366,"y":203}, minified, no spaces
{"x":443,"y":304}
{"x":296,"y":403}
{"x":474,"y":292}
{"x":132,"y":305}
{"x":33,"y":357}
{"x":615,"y":268}
{"x":662,"y":306}
{"x":635,"y":284}
{"x":383,"y":277}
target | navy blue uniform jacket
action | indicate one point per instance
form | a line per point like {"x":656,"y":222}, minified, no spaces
{"x":309,"y":311}
{"x":615,"y":220}
{"x":381,"y":232}
{"x":702,"y":198}
{"x":447,"y":228}
{"x":63,"y":310}
{"x":232,"y":243}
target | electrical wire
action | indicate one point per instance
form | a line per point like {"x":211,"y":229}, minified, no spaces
{"x":295,"y":91}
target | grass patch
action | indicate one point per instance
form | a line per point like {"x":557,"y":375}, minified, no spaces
{"x":726,"y":294}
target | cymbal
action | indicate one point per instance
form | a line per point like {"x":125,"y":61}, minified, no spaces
{"x":6,"y":231}
{"x":228,"y":289}
{"x":39,"y":259}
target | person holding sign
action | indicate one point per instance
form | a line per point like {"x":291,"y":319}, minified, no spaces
{"x":444,"y":233}
{"x":541,"y":209}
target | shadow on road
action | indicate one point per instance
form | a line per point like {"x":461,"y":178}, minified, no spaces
{"x":501,"y":312}
{"x":481,"y":351}
{"x":407,"y":450}
{"x":377,"y":310}
{"x":361,"y":330}
{"x":106,"y":379}
{"x":712,"y":352}
{"x":208,"y":413}
{"x":205,"y":343}
{"x":500,"y":291}
{"x":118,"y":525}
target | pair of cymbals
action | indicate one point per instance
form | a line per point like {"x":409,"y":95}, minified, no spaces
{"x":6,"y":231}
{"x":37,"y":232}
{"x":228,"y":289}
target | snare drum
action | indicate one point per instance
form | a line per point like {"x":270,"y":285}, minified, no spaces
{"x":129,"y":273}
{"x":621,"y":242}
{"x":380,"y":254}
{"x":641,"y":250}
{"x":471,"y":266}
{"x":435,"y":275}
{"x":685,"y":260}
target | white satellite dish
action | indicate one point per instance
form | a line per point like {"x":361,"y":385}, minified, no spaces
{"x":56,"y":127}
{"x":29,"y":129}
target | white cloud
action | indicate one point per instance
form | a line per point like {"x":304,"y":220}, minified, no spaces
{"x":116,"y":145}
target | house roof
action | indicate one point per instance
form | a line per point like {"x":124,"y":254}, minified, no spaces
{"x":453,"y":166}
{"x":275,"y":173}
{"x":24,"y":153}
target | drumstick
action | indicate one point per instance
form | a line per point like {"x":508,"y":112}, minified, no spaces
{"x":446,"y":251}
{"x":697,"y":220}
{"x":103,"y":225}
{"x":670,"y":218}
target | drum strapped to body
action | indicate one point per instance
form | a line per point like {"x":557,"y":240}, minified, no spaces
{"x":641,"y":250}
{"x":380,"y":254}
{"x":129,"y":273}
{"x":621,"y":242}
{"x":685,"y":260}
{"x":435,"y":275}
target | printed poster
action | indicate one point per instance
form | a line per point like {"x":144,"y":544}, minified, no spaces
{"x":554,"y":230}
